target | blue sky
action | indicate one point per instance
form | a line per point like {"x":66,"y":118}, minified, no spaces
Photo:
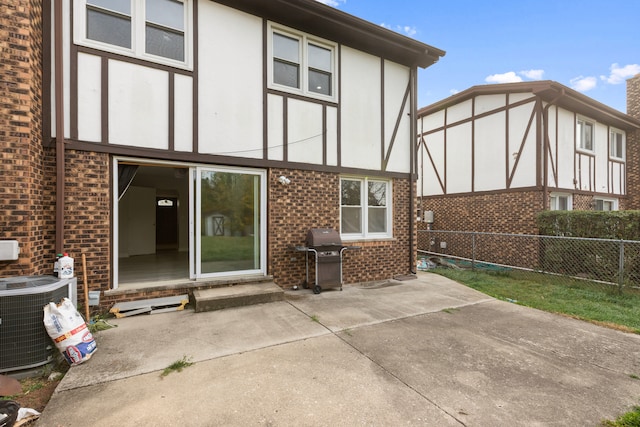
{"x":591,"y":46}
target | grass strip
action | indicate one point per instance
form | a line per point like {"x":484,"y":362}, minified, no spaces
{"x":555,"y":294}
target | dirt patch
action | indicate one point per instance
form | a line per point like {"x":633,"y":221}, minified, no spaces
{"x":37,"y":390}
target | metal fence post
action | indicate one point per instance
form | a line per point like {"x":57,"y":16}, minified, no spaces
{"x":621,"y":267}
{"x":473,"y":251}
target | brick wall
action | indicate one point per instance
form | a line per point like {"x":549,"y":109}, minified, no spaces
{"x":505,"y":212}
{"x":633,"y":145}
{"x":24,"y":211}
{"x":312,"y":200}
{"x":87,"y":214}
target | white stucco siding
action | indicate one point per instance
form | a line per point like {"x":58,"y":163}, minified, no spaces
{"x":522,"y":147}
{"x":430,"y":184}
{"x":396,"y":81}
{"x":459,"y":160}
{"x":486,"y":103}
{"x":490,"y":146}
{"x":138,"y":106}
{"x":602,"y":158}
{"x":332,"y":136}
{"x":458,"y":112}
{"x":517,"y":97}
{"x":230,"y":82}
{"x":616,"y":176}
{"x":565,"y":140}
{"x":585,"y":168}
{"x":183,"y":113}
{"x":89,"y":98}
{"x":432,"y":121}
{"x":360,"y":110}
{"x":305,"y":144}
{"x":275,"y":123}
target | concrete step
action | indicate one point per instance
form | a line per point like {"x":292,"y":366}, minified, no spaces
{"x":236,"y":296}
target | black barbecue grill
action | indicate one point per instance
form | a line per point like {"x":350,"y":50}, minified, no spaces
{"x":326,"y":245}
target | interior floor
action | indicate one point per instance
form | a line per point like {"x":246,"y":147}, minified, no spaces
{"x":163,"y":266}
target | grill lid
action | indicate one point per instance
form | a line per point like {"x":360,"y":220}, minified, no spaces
{"x":323,"y":237}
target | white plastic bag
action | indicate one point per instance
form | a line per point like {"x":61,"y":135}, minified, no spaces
{"x":69,"y":332}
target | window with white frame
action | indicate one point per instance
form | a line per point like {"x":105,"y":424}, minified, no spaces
{"x":601,"y":204}
{"x":561,"y":202}
{"x":365,"y":208}
{"x":616,"y":144}
{"x":157,"y":30}
{"x":585,"y":134}
{"x":302,"y":64}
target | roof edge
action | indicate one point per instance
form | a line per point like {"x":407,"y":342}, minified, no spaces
{"x":547,"y":90}
{"x":336,"y":25}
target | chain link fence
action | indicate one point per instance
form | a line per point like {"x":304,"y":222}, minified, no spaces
{"x":613,"y":264}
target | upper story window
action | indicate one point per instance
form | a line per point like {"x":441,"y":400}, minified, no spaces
{"x":616,"y":144}
{"x":585,"y":135}
{"x":365,"y":208}
{"x":302,"y":64}
{"x":561,"y":202}
{"x":156,"y":30}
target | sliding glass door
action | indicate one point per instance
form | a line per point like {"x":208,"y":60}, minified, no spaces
{"x":230,"y":214}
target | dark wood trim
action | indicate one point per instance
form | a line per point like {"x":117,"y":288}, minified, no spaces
{"x":484,"y":193}
{"x":435,"y":168}
{"x":523,"y":142}
{"x":144,"y":62}
{"x":299,"y":97}
{"x":479,"y":116}
{"x":397,"y":125}
{"x":213,"y":159}
{"x":526,"y":190}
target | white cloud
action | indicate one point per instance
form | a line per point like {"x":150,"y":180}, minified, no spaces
{"x":454,"y":91}
{"x":532,"y":74}
{"x":402,"y":29}
{"x":621,"y":74}
{"x":508,"y":77}
{"x":583,"y":84}
{"x":332,"y":3}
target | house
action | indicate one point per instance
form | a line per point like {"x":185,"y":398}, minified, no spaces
{"x":185,"y":141}
{"x":492,"y":157}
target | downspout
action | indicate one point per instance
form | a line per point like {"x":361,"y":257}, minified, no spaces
{"x":545,"y":149}
{"x":59,"y":108}
{"x":412,"y":169}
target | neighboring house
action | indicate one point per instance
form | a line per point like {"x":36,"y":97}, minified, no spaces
{"x":492,"y":157}
{"x":196,"y":140}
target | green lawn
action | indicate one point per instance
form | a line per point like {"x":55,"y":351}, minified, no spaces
{"x":574,"y":298}
{"x":227,"y":248}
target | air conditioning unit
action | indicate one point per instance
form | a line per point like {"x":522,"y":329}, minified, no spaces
{"x":24,"y":342}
